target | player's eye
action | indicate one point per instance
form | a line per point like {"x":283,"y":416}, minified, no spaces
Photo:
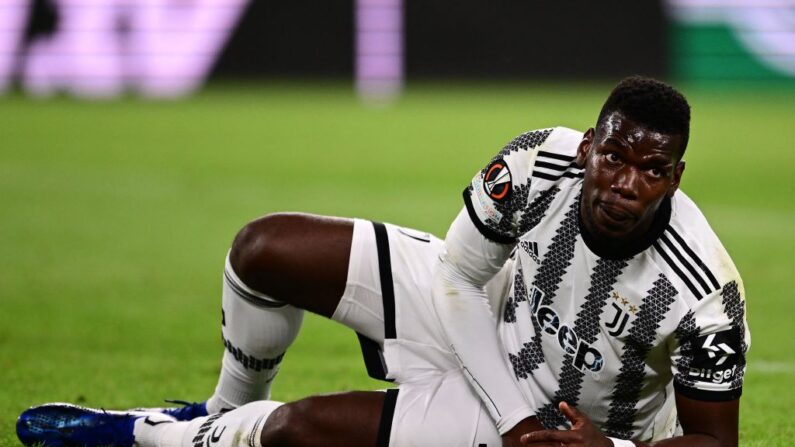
{"x":612,"y":157}
{"x":656,"y":172}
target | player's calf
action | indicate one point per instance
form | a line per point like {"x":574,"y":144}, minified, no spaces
{"x":278,"y":265}
{"x":352,"y":419}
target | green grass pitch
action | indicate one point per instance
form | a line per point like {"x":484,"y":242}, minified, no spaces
{"x":115,"y":219}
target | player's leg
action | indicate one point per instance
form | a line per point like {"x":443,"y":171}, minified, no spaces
{"x":359,"y":418}
{"x":279,"y":265}
{"x":297,"y":259}
{"x":349,"y":270}
{"x":439,"y":410}
{"x":350,"y":419}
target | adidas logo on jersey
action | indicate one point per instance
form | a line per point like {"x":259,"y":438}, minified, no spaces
{"x":531,"y":248}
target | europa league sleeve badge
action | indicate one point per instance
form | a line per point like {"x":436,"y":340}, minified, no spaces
{"x":497,"y":181}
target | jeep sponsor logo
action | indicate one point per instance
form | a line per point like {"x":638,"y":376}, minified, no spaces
{"x":586,"y":357}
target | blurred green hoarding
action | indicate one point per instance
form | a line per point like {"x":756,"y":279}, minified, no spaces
{"x":733,"y":39}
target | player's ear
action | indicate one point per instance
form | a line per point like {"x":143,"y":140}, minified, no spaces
{"x":584,"y":147}
{"x":676,"y":178}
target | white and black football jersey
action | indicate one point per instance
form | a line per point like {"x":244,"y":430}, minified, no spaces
{"x":614,"y":336}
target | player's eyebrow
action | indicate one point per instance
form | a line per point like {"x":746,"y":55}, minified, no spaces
{"x":658,"y":157}
{"x":616,"y":142}
{"x":657,"y":160}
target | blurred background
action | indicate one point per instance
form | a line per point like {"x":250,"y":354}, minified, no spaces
{"x":102,"y":48}
{"x":138,"y":136}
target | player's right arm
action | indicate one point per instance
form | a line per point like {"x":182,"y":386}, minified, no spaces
{"x":478,"y":243}
{"x":467,"y":263}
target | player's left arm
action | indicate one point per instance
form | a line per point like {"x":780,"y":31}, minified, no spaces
{"x":704,"y":424}
{"x":708,"y":367}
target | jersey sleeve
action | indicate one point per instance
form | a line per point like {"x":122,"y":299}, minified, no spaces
{"x":712,"y":341}
{"x":467,"y":262}
{"x":499,"y":192}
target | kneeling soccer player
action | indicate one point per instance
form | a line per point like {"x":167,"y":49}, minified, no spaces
{"x":619,"y":321}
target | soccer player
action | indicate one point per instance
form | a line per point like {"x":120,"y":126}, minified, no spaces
{"x":614,"y":315}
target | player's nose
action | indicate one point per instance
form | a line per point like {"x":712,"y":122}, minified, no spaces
{"x":625,"y":183}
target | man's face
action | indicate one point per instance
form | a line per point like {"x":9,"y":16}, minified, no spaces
{"x":629,"y":170}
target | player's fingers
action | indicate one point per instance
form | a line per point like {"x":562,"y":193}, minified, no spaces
{"x":544,"y":444}
{"x":553,"y":436}
{"x":571,"y":413}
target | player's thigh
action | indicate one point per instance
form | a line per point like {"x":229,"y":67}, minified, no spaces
{"x":441,"y":410}
{"x":345,"y":419}
{"x":298,"y":259}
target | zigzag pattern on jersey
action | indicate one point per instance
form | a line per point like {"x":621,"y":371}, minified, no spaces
{"x":534,"y":212}
{"x":587,"y":327}
{"x":687,"y":265}
{"x":518,"y":295}
{"x":518,"y":199}
{"x":734,"y":308}
{"x":526,"y":141}
{"x":626,"y":392}
{"x":553,"y":167}
{"x":531,"y":215}
{"x":685,"y":333}
{"x":548,"y":277}
{"x":520,"y":192}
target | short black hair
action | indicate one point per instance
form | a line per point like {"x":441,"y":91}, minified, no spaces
{"x":652,"y":103}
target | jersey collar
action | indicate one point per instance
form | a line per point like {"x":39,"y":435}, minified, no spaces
{"x":603,"y":250}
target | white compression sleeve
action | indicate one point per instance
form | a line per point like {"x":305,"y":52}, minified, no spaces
{"x":256,"y":333}
{"x":241,"y":427}
{"x":468,"y":262}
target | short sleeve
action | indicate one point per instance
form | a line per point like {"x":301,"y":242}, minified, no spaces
{"x":500,"y":191}
{"x":712,"y":341}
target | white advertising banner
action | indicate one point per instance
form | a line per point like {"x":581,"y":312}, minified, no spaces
{"x":101,"y":48}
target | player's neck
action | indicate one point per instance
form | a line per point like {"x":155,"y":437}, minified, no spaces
{"x":627,"y":248}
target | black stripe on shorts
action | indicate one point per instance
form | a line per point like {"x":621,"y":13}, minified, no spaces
{"x":371,"y":351}
{"x":385,"y":273}
{"x":387,"y":414}
{"x":373,"y":358}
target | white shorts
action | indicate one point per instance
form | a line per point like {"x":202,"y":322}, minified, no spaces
{"x":387,"y":301}
{"x":437,"y":411}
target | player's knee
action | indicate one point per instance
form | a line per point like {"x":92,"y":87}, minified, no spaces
{"x":289,"y":425}
{"x":261,"y":247}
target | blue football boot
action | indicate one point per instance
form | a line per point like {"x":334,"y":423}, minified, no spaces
{"x":188,"y":411}
{"x":67,"y":425}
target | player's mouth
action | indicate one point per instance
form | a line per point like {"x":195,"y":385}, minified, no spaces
{"x":614,"y":216}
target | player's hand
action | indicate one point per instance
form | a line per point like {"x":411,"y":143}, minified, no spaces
{"x":513,"y":436}
{"x":583,"y":433}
